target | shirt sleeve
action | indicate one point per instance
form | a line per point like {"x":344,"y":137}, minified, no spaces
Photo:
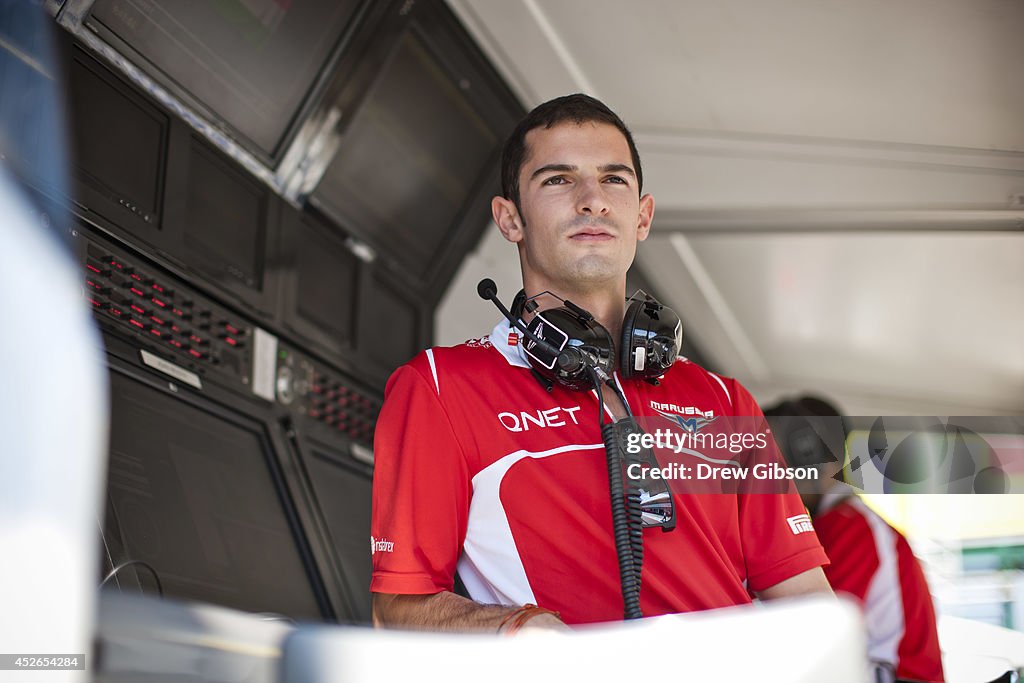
{"x":421,"y":489}
{"x":847,"y":535}
{"x":778,"y":538}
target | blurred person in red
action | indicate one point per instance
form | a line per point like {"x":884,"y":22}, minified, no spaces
{"x":870,"y":560}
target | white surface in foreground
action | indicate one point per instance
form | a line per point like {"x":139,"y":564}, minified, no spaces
{"x":975,"y":651}
{"x":807,"y":640}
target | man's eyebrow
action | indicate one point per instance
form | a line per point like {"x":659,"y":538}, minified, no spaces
{"x":561,"y":168}
{"x":568,"y":168}
{"x":617,"y":168}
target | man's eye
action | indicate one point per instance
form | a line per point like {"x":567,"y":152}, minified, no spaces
{"x":555,"y":180}
{"x":616,"y":179}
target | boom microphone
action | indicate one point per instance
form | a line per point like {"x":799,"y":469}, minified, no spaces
{"x":571,"y":361}
{"x":489,"y":292}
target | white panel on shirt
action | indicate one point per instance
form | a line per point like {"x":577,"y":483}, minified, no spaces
{"x":490,"y":566}
{"x":883,"y":604}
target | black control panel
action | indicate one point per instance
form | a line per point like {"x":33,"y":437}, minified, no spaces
{"x":171,"y":321}
{"x":324,"y":396}
{"x":132,"y":296}
{"x":187,"y":336}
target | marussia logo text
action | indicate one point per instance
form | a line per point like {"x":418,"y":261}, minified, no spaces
{"x":380,"y":545}
{"x":681,"y":410}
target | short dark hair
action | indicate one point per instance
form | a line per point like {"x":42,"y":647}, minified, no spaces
{"x":578,"y":108}
{"x":809,"y":430}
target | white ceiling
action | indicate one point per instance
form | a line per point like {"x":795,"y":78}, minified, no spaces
{"x":840,"y":185}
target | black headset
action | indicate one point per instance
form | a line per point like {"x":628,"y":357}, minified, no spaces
{"x":565,"y":344}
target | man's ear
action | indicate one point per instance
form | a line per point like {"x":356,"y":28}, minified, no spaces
{"x":643,"y":227}
{"x":506,"y":216}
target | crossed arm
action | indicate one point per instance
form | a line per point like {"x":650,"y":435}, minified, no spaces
{"x":446,"y":611}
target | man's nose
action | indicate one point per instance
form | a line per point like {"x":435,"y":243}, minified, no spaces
{"x":591,"y":199}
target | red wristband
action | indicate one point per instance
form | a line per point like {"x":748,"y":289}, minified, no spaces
{"x":517,"y":618}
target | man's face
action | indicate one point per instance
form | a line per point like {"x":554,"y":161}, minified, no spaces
{"x":581,"y":210}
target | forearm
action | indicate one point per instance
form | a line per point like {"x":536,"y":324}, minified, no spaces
{"x":446,"y":611}
{"x":812,"y":581}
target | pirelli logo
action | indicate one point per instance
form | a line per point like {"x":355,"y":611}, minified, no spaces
{"x":798,"y":524}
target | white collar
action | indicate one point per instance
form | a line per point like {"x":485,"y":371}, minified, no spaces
{"x":513,"y":353}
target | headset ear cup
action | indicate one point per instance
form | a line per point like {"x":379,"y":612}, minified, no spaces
{"x":626,"y":359}
{"x":676,"y":346}
{"x":564,"y":327}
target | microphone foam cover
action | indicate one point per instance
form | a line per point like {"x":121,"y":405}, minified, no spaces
{"x":486,"y":289}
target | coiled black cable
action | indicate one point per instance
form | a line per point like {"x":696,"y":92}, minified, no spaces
{"x":625,"y":511}
{"x":634,"y":511}
{"x":627,"y":539}
{"x":634,"y":515}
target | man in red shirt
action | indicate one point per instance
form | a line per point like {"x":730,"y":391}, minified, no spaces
{"x":870,"y":561}
{"x":481,"y":470}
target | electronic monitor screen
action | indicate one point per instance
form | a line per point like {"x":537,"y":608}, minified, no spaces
{"x":250,"y":62}
{"x":344,"y":497}
{"x":119,"y":141}
{"x":193,"y":496}
{"x":226,"y":216}
{"x":388,"y":324}
{"x":326,"y":288}
{"x":409,"y":160}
